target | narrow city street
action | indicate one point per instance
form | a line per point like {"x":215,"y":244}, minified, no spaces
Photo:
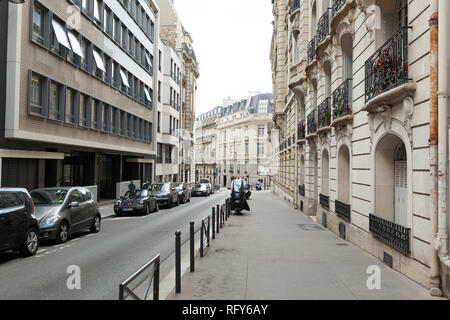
{"x":106,"y":259}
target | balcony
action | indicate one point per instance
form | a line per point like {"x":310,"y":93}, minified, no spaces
{"x":325,"y":201}
{"x":301,"y":190}
{"x":312,"y":123}
{"x":301,"y":130}
{"x":295,"y":5}
{"x":390,"y":233}
{"x":342,"y":103}
{"x":336,"y":6}
{"x":387,"y":68}
{"x":324,"y":114}
{"x":311,"y":51}
{"x":323,"y":27}
{"x":343,"y":210}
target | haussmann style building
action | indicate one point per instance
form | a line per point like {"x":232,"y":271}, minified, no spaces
{"x":360,"y":108}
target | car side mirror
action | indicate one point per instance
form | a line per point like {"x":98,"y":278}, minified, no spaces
{"x":74,"y":205}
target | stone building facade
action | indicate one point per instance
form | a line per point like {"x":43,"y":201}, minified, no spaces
{"x":233,"y":141}
{"x":173,"y":32}
{"x":355,"y":104}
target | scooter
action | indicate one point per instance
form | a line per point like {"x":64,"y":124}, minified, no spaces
{"x":238,"y":197}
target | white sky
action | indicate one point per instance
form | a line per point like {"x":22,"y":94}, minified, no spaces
{"x":232,"y":44}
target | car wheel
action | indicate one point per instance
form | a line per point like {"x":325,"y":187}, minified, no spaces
{"x":30,"y":243}
{"x":63,"y":232}
{"x":147,"y":209}
{"x":96,"y":224}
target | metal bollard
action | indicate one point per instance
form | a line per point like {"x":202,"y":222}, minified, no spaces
{"x":192,"y":247}
{"x":218,"y":219}
{"x":178,"y":261}
{"x":226,"y":210}
{"x":213,"y":223}
{"x":208,"y":235}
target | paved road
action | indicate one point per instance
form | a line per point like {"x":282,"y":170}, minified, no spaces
{"x":105,"y":259}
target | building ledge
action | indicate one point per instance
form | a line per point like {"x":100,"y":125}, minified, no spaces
{"x":391,"y":97}
{"x":341,"y":13}
{"x":324,"y":130}
{"x":342,"y":121}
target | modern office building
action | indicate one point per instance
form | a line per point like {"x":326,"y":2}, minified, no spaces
{"x":357,"y":94}
{"x":77,"y":92}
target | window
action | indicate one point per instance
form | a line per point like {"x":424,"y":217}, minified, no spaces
{"x":104,"y":116}
{"x":168,"y":154}
{"x":159,"y":153}
{"x":263,"y":106}
{"x":122,"y":124}
{"x":159,"y":91}
{"x":97,"y":11}
{"x":36,"y":87}
{"x":84,"y":110}
{"x":94,"y":114}
{"x":113,"y":120}
{"x":70,"y":106}
{"x":159,"y":122}
{"x":116,"y":29}
{"x":100,"y":70}
{"x":54,"y":105}
{"x":260,"y":148}
{"x":108,"y":23}
{"x":84,"y":51}
{"x":59,"y":39}
{"x":260,"y":131}
{"x":159,"y":61}
{"x":38,"y":26}
{"x":124,"y":37}
{"x":84,"y":6}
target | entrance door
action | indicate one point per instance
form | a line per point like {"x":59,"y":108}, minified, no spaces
{"x":401,"y":187}
{"x":21,"y":173}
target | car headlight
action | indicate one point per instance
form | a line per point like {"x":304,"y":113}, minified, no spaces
{"x":118,"y":203}
{"x":51,"y":220}
{"x":141,"y":202}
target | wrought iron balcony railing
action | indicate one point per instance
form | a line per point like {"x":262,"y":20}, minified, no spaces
{"x":337,"y":5}
{"x":295,"y":5}
{"x":390,"y":233}
{"x":342,"y":100}
{"x":311,"y":50}
{"x":343,"y":210}
{"x":324,"y":113}
{"x":323,"y":26}
{"x":388,"y":67}
{"x":301,"y":131}
{"x":301,"y":190}
{"x":325,"y":201}
{"x":312,"y":122}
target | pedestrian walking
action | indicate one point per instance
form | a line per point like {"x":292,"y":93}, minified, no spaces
{"x":132,"y":187}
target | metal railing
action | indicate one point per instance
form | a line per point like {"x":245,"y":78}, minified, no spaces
{"x":343,"y":210}
{"x":204,"y":233}
{"x":337,"y":5}
{"x":390,"y":233}
{"x":312,"y":122}
{"x":295,"y":5}
{"x":387,"y":68}
{"x":301,"y":131}
{"x":125,"y":289}
{"x":323,"y":26}
{"x":301,"y":190}
{"x":324,"y":113}
{"x":311,"y":50}
{"x":325,"y":201}
{"x":342,"y":99}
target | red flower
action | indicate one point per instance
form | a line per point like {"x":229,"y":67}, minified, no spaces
{"x":406,"y":67}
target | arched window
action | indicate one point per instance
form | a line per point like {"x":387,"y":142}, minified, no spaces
{"x":302,"y":171}
{"x":327,"y":69}
{"x":347,"y":52}
{"x":344,"y":175}
{"x":391,"y":180}
{"x":313,"y":20}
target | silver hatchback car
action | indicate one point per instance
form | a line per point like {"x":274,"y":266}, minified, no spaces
{"x":64,"y":211}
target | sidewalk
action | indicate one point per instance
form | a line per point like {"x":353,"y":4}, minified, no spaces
{"x":275,"y":252}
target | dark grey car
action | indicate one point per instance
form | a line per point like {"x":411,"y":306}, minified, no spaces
{"x":64,"y":211}
{"x":165,"y":194}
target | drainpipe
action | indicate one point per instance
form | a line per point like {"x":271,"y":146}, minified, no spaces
{"x":433,"y":143}
{"x":441,"y":242}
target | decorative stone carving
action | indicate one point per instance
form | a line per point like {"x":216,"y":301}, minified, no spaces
{"x":408,"y":108}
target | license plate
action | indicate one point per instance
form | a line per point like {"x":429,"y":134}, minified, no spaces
{"x":127,"y":209}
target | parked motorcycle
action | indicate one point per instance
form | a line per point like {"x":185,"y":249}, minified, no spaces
{"x":238,"y":197}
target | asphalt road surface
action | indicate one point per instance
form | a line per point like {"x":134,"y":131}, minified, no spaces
{"x":105,"y":259}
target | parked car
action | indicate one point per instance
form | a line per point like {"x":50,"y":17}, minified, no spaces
{"x":165,"y":194}
{"x":19,"y":228}
{"x":183,"y":192}
{"x":140,"y":201}
{"x":64,"y":211}
{"x":201,"y":189}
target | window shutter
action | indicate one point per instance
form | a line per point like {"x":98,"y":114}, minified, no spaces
{"x":76,"y":108}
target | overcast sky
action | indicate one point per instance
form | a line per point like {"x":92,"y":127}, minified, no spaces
{"x":232,"y":44}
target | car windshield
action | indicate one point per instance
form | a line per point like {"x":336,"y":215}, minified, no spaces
{"x":130,"y":194}
{"x":159,"y":187}
{"x":49,"y":197}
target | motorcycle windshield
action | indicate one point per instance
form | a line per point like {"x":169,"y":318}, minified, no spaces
{"x":237,"y":184}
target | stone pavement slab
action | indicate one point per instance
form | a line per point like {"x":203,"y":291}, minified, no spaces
{"x":275,"y":252}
